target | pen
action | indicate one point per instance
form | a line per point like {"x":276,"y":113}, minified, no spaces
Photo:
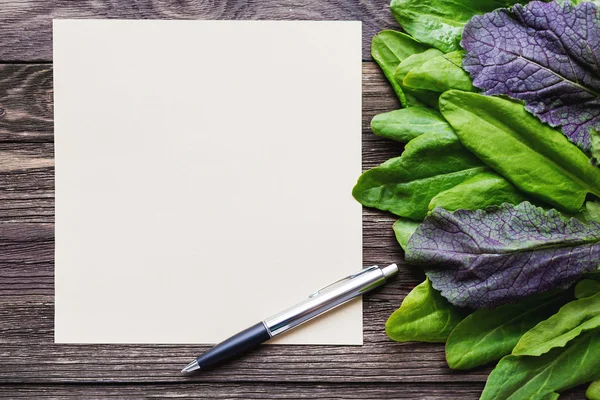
{"x":321,"y":301}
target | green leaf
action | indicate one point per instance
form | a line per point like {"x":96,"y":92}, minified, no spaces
{"x":549,"y":396}
{"x":403,"y":229}
{"x":593,"y":391}
{"x":537,"y":159}
{"x":575,"y":2}
{"x":426,"y":97}
{"x":488,"y":335}
{"x":416,"y":96}
{"x":439,"y":74}
{"x":572,"y":320}
{"x":388,"y":49}
{"x":421,"y":98}
{"x":591,"y":211}
{"x":595,"y":275}
{"x":430,"y":164}
{"x":595,"y":141}
{"x":479,"y":192}
{"x":527,"y":377}
{"x":587,"y":288}
{"x":408,"y":123}
{"x":424,"y":316}
{"x":413,"y":62}
{"x":439,"y":23}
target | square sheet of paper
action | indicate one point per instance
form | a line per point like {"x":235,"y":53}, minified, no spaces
{"x":203,"y":177}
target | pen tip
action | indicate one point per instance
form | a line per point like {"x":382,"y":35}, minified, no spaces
{"x":193,"y":366}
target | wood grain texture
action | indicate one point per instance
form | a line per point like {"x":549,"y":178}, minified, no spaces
{"x":25,"y":102}
{"x":26,"y":182}
{"x":248,"y":391}
{"x":26,"y":28}
{"x":260,"y":391}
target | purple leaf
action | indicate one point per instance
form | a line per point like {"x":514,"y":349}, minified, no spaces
{"x":547,"y":54}
{"x":485,"y":258}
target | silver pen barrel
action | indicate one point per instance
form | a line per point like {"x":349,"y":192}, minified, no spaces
{"x":329,"y":297}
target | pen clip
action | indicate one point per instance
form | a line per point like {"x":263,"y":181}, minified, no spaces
{"x":347,"y":278}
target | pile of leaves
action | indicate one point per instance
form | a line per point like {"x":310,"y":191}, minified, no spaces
{"x":497,"y":190}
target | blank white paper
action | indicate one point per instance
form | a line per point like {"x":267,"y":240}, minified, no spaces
{"x":203,"y":177}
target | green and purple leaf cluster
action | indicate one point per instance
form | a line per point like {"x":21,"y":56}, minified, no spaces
{"x":544,"y":54}
{"x":497,"y":198}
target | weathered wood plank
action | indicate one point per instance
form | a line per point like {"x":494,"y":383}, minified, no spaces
{"x":26,"y":28}
{"x":248,"y":391}
{"x":29,"y":356}
{"x":26,"y":112}
{"x":26,"y":182}
{"x":429,"y":391}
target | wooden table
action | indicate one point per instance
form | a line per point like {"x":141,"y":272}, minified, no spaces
{"x":31,"y":365}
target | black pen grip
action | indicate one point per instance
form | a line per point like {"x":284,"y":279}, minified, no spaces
{"x":238,"y":343}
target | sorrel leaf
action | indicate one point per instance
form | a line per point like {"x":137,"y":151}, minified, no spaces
{"x":406,"y":124}
{"x":439,"y":23}
{"x":592,"y":211}
{"x":526,"y":377}
{"x":489,"y":335}
{"x":388,"y":49}
{"x":547,"y":54}
{"x":537,"y":159}
{"x":403,"y":229}
{"x":481,"y":191}
{"x":424,"y":316}
{"x":414,"y":61}
{"x":570,"y":321}
{"x":409,"y":64}
{"x":586,"y":288}
{"x":439,"y":74}
{"x":595,"y":145}
{"x":430,"y":164}
{"x":593,"y":391}
{"x":485,"y":258}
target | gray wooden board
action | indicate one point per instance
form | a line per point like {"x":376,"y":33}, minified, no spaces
{"x":26,"y":25}
{"x":251,"y":391}
{"x":31,"y":365}
{"x":259,"y":391}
